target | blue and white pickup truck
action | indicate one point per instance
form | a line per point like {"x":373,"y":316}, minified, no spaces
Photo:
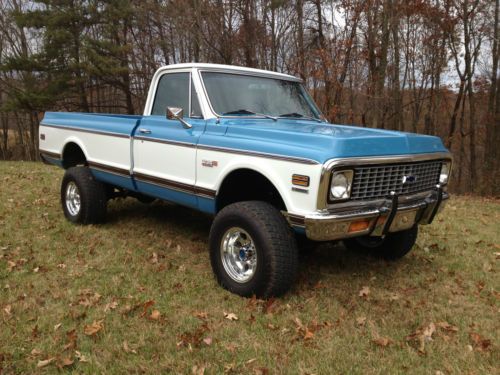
{"x":251,"y":148}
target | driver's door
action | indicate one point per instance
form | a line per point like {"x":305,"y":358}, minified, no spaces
{"x":164,"y":152}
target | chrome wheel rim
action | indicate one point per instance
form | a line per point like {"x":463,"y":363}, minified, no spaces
{"x":238,"y":255}
{"x":73,"y":203}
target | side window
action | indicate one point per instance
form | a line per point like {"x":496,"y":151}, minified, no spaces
{"x":172,"y":91}
{"x":195,"y":104}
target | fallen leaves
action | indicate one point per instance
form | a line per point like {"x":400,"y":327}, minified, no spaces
{"x":81,"y":358}
{"x":8,"y":310}
{"x":306,"y":332}
{"x":424,"y":335}
{"x":230,"y":316}
{"x":361,"y":321}
{"x":71,"y":337}
{"x":382,"y":341}
{"x":94,"y":328}
{"x":111,"y":306}
{"x":364,"y":292}
{"x":480,"y":343}
{"x":89,"y":298}
{"x":45,"y":362}
{"x":65,"y":362}
{"x":155,"y":315}
{"x":128,"y":349}
{"x":195,"y":338}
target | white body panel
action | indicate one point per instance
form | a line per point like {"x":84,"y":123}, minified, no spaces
{"x":279,"y":172}
{"x":98,"y":148}
{"x":171,"y":162}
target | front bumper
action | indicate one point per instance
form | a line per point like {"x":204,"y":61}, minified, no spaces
{"x":393,"y":214}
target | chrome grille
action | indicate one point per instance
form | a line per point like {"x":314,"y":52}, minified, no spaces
{"x":372,"y":182}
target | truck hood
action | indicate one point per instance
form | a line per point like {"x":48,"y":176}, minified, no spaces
{"x":324,"y":141}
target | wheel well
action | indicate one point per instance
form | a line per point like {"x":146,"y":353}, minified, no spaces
{"x":73,"y":156}
{"x":245,"y":185}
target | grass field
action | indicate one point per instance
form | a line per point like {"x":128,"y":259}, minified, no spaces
{"x":137,"y":295}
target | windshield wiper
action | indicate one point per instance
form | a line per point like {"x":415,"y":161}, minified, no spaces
{"x":300,"y":115}
{"x":247,"y":112}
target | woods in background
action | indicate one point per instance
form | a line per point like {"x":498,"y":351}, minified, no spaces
{"x":427,"y":66}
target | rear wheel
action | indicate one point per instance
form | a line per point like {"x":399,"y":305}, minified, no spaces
{"x":83,"y":198}
{"x":253,"y":250}
{"x":391,"y":247}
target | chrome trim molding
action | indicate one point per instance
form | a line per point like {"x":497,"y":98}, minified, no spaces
{"x":122,"y":172}
{"x":323,"y":191}
{"x":92,"y":131}
{"x":259,"y":154}
{"x":164,"y":141}
{"x":175,"y":185}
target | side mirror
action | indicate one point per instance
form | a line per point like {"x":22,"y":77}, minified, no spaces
{"x":175,"y":113}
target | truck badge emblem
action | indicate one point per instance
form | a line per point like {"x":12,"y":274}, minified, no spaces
{"x":209,"y":163}
{"x":409,"y":179}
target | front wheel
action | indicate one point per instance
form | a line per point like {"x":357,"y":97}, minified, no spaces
{"x":253,"y":250}
{"x":83,"y":198}
{"x":391,"y":247}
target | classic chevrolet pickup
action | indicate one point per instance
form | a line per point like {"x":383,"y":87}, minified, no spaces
{"x":251,"y":148}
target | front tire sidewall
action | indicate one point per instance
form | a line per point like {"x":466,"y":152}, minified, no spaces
{"x":259,"y":279}
{"x":275,"y":245}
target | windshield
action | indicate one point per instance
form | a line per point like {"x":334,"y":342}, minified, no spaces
{"x":237,"y":94}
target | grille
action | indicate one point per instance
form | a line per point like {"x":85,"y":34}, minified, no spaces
{"x":372,"y":182}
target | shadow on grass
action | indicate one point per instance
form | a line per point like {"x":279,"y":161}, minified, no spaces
{"x":316,"y":262}
{"x":158,"y":214}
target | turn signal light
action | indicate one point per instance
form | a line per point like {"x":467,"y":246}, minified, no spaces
{"x":300,"y":180}
{"x":359,"y":225}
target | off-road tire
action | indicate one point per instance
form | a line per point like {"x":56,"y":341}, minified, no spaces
{"x":393,"y":246}
{"x":93,"y":196}
{"x":275,"y":244}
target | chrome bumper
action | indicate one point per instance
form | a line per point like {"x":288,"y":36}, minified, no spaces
{"x":391,"y":215}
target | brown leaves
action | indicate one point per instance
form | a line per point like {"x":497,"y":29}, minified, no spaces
{"x":94,"y":328}
{"x":364,"y":292}
{"x":71,"y":337}
{"x":195,"y":338}
{"x":45,"y":362}
{"x":8,"y":310}
{"x":155,"y":315}
{"x":89,"y":298}
{"x":306,"y":332}
{"x":480,"y":343}
{"x":423,"y":335}
{"x":382,"y":341}
{"x":361,"y":321}
{"x":128,"y":349}
{"x":230,"y":316}
{"x":111,"y":306}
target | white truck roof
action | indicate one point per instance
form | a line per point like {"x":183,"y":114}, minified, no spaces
{"x":221,"y":67}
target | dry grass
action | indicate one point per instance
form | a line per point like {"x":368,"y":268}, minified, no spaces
{"x":137,"y":295}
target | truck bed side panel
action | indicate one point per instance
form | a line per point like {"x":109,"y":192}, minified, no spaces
{"x":104,"y":139}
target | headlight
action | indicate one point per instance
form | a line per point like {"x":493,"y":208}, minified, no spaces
{"x":444,"y":176}
{"x":340,"y":187}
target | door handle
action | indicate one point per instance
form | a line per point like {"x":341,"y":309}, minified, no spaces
{"x":144,"y":131}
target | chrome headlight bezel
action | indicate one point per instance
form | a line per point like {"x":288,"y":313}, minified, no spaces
{"x":445,"y":173}
{"x":341,"y":180}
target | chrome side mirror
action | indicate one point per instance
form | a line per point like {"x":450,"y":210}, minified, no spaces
{"x":175,"y":113}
